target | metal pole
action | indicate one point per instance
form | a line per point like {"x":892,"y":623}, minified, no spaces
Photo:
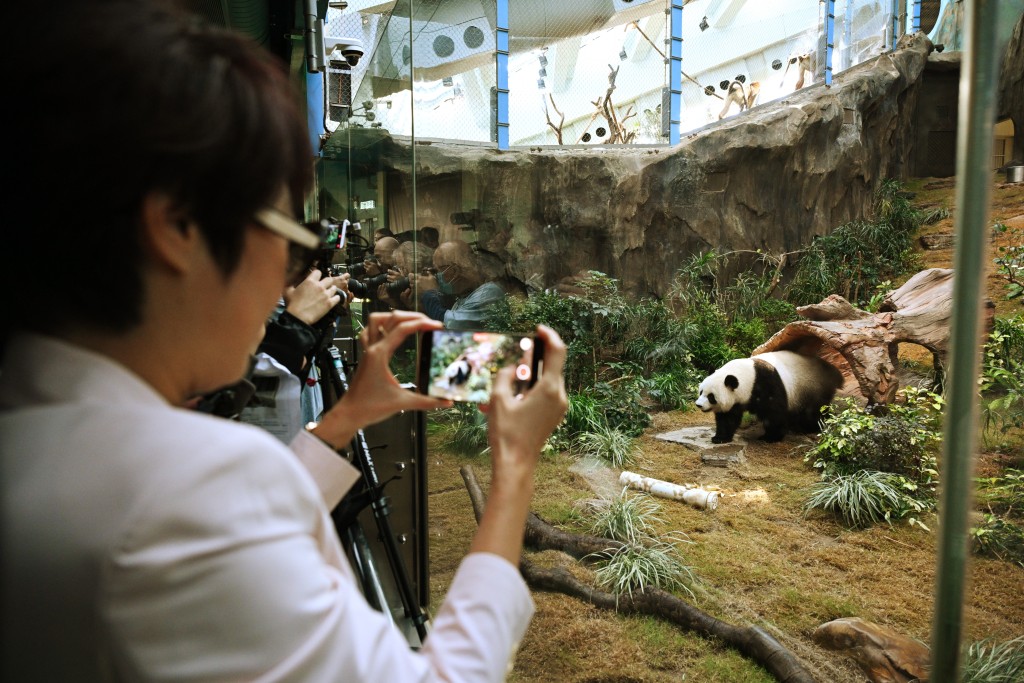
{"x":979,"y":73}
{"x":675,"y":71}
{"x":830,"y":39}
{"x":501,"y":54}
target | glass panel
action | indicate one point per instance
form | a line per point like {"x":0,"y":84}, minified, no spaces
{"x":863,"y":29}
{"x":587,"y":72}
{"x":762,"y":43}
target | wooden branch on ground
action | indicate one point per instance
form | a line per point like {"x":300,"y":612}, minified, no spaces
{"x":750,"y":640}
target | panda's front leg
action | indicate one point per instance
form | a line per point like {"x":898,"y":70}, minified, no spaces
{"x":726,"y":425}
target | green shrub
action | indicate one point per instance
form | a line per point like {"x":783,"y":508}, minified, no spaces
{"x":463,"y":428}
{"x":674,"y":390}
{"x":901,"y":438}
{"x":1002,"y":375}
{"x":999,"y":538}
{"x":857,"y":257}
{"x":1010,"y":265}
{"x":878,"y":463}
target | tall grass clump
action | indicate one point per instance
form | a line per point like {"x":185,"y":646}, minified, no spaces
{"x":627,"y":518}
{"x":636,"y":567}
{"x":607,"y":444}
{"x":463,"y":427}
{"x":1001,"y":535}
{"x":861,"y":499}
{"x":986,"y":661}
{"x":728,"y":320}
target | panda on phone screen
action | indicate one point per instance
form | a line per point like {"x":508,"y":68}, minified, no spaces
{"x":784,"y":389}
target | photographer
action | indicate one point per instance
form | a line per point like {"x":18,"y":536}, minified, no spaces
{"x":146,"y":541}
{"x":410,"y":258}
{"x":458,"y":274}
{"x":370,"y":286}
{"x":291,"y":336}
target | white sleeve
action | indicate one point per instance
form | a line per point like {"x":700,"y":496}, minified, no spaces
{"x":333,"y":475}
{"x":235,"y":573}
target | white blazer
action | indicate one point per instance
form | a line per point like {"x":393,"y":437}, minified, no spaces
{"x":144,"y":542}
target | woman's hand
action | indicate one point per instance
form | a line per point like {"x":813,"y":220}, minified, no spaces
{"x":519,"y":425}
{"x":374,"y":394}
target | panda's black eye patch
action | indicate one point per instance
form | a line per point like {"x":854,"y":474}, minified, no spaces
{"x":711,"y":399}
{"x":731,"y":381}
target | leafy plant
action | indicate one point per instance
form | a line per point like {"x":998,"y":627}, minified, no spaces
{"x":861,"y":499}
{"x":673,"y":390}
{"x":900,"y":438}
{"x":464,"y":427}
{"x":607,"y":444}
{"x":627,"y":518}
{"x":986,"y":661}
{"x":637,"y":566}
{"x":1002,"y":375}
{"x":1010,"y":265}
{"x":999,"y":538}
{"x":859,"y":256}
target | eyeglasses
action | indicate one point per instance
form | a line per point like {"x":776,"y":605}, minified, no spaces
{"x":304,"y":240}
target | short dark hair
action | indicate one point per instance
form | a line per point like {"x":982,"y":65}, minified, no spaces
{"x":118,"y":99}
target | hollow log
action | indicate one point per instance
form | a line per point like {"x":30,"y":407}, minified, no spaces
{"x":865,"y":346}
{"x":750,"y":640}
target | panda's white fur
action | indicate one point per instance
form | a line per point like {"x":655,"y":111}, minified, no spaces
{"x":786,"y":390}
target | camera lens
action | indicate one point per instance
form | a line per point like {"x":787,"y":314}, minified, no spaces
{"x":398,"y":286}
{"x":357,"y":269}
{"x":358,"y":288}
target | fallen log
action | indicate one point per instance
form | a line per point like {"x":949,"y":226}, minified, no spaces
{"x":865,"y":346}
{"x":750,"y":640}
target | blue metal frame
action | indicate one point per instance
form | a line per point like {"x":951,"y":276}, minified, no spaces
{"x":915,"y":21}
{"x":675,"y":72}
{"x":501,"y":64}
{"x":830,"y":39}
{"x":895,"y":23}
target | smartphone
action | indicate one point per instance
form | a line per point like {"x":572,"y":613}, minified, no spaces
{"x":460,"y":365}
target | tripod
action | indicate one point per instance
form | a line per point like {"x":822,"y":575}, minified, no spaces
{"x":391,"y":592}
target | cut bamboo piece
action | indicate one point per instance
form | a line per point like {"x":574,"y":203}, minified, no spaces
{"x":694,"y":495}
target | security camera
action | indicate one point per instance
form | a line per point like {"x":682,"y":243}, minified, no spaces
{"x":345,"y":48}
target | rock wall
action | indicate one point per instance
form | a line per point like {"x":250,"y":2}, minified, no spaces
{"x":1011,"y":87}
{"x":770,"y":178}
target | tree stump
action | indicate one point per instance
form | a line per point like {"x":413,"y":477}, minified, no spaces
{"x":865,"y":346}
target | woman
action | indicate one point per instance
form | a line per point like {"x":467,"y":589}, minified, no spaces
{"x":145,"y":541}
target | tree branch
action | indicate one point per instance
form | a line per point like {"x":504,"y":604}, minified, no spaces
{"x":750,"y":640}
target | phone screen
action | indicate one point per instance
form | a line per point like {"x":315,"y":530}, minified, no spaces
{"x":461,"y":365}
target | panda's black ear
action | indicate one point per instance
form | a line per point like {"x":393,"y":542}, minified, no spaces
{"x":731,"y":382}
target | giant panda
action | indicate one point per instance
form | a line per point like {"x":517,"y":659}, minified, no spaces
{"x":786,"y":390}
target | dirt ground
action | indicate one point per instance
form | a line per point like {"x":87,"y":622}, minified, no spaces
{"x":758,"y":558}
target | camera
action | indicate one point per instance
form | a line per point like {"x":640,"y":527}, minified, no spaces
{"x":343,"y":51}
{"x":398,"y":286}
{"x":365,"y":289}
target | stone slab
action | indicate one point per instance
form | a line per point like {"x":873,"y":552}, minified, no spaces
{"x":713,"y":454}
